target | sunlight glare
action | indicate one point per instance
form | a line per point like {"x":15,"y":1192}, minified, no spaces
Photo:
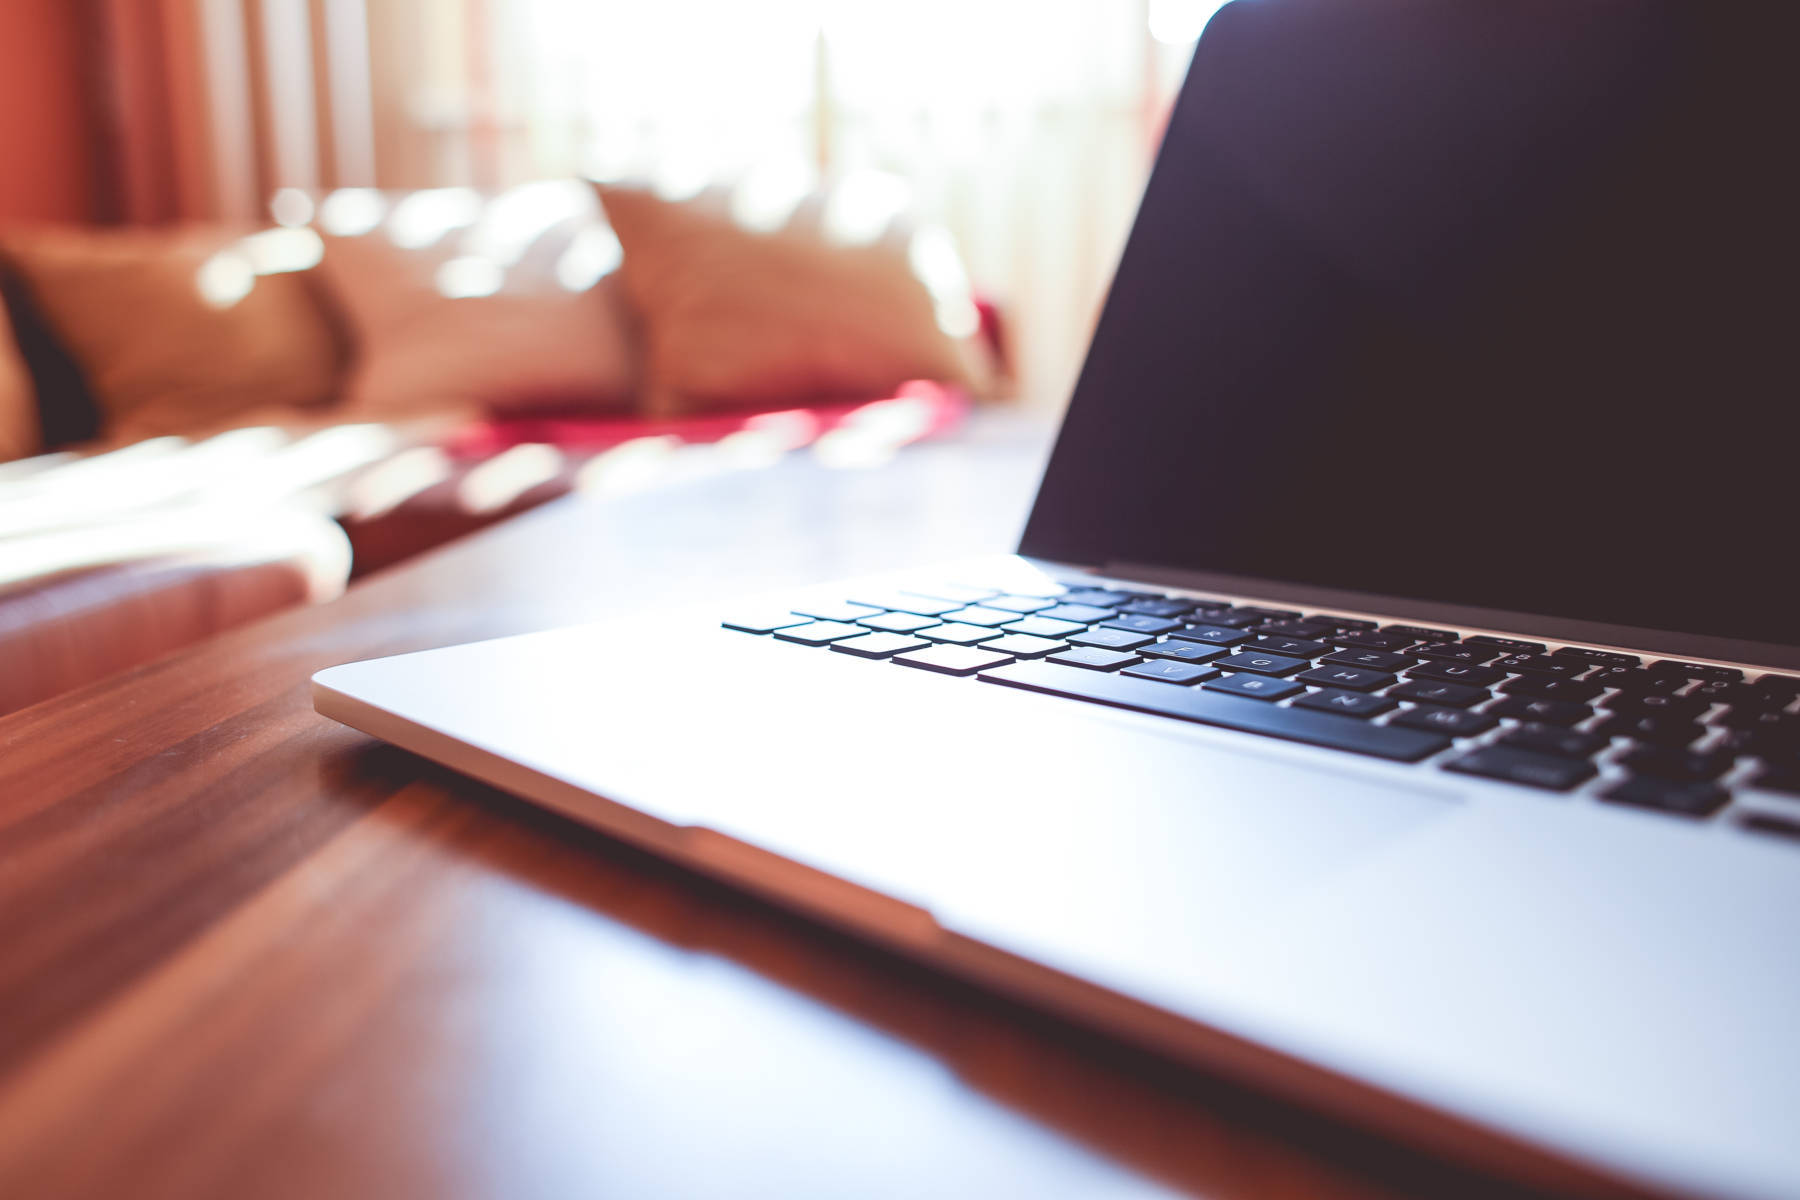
{"x":593,"y":254}
{"x":389,"y":484}
{"x":632,"y":466}
{"x":277,"y":251}
{"x":502,"y":479}
{"x":516,"y":218}
{"x":863,"y":206}
{"x":291,"y":207}
{"x":793,"y":427}
{"x":423,"y":218}
{"x":766,"y":198}
{"x":1177,"y":22}
{"x":351,"y":212}
{"x":469,"y":277}
{"x":225,"y":279}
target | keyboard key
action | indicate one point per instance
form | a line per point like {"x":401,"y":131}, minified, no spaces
{"x":1738,"y":695}
{"x":1025,"y":605}
{"x":1190,"y":704}
{"x":952,"y":591}
{"x":1432,"y":691}
{"x":1350,"y":679}
{"x":1098,"y":597}
{"x":1295,"y":629}
{"x":1778,"y":779}
{"x":1044,"y":588}
{"x":819,"y":633}
{"x":1635,"y":679}
{"x":1544,"y":712}
{"x":1544,"y":664}
{"x":981,"y":614}
{"x":1688,"y":765}
{"x":1773,"y":726}
{"x":1045,"y":627}
{"x":1141,"y":624}
{"x":1785,"y":688}
{"x":1216,"y":635}
{"x":1776,"y":737}
{"x":764,"y":623}
{"x":1369,"y":660}
{"x":1605,"y":658}
{"x":1456,"y":672}
{"x":1195,"y":652}
{"x":1510,"y":645}
{"x":896,"y":622}
{"x":1688,"y":670}
{"x":952,"y":660}
{"x":1023,"y":645}
{"x":1340,"y":624}
{"x":1168,"y":670}
{"x":1230,"y":618}
{"x":1262,"y":664}
{"x":836,"y":611}
{"x":1267,"y":614}
{"x":1664,"y":795}
{"x":1545,"y":771}
{"x":878,"y":645}
{"x":1658,"y":731}
{"x":1773,"y":824}
{"x":1157,"y":608}
{"x":1085,"y":614}
{"x":1362,"y":640}
{"x":1259,"y":687}
{"x":959,"y":634}
{"x":1685,"y":708}
{"x":1546,"y":687}
{"x":1349,"y":704}
{"x":1292,"y":647}
{"x":1111,"y":639}
{"x":1452,"y":721}
{"x":1420,"y":633}
{"x":1779,"y":755}
{"x":1549,"y":739}
{"x":1095,"y":659}
{"x":1454,"y":652}
{"x":1744,"y":743}
{"x":923,"y":606}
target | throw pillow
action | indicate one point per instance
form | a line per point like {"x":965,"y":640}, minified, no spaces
{"x":178,"y":329}
{"x":740,"y":317}
{"x":499,"y":313}
{"x":18,"y":403}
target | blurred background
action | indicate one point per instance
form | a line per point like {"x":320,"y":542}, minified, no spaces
{"x":1023,"y":126}
{"x":295,"y":290}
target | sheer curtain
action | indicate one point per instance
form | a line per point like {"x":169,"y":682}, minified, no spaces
{"x":1022,"y":126}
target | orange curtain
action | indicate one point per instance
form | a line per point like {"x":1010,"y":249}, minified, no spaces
{"x":49,"y":158}
{"x":210,"y":106}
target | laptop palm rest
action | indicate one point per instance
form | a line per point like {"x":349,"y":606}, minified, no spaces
{"x":1267,"y":891}
{"x":1004,"y":811}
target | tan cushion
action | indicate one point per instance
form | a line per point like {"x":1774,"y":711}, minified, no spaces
{"x":736,"y":317}
{"x":172,"y":328}
{"x":18,"y":403}
{"x":112,"y":597}
{"x":545,"y":336}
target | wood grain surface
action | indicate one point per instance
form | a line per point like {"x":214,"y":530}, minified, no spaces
{"x":252,"y":953}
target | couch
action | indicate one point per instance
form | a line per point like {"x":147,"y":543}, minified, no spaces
{"x":209,"y":423}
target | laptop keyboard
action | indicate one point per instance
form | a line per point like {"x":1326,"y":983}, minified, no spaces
{"x":1666,"y":735}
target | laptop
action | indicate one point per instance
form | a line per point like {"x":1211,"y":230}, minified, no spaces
{"x":1394,"y":701}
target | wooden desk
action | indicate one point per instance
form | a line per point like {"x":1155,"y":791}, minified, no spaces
{"x":248,"y":952}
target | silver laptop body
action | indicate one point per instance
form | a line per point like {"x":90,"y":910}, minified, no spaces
{"x":1318,"y":406}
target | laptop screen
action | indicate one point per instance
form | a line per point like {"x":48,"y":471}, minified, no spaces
{"x":1484,"y":304}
